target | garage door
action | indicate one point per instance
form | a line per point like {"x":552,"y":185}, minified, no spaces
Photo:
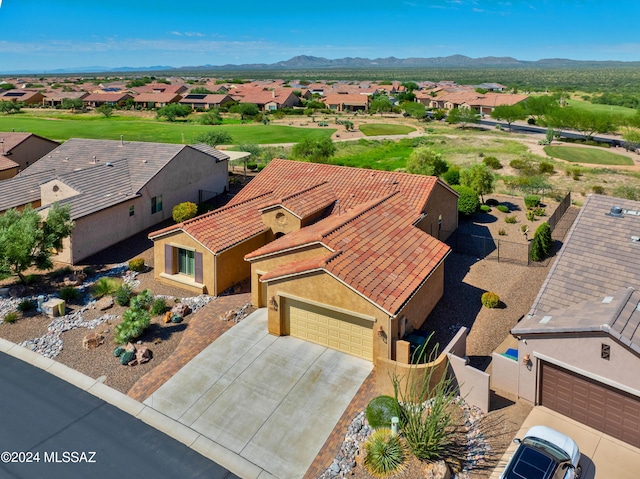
{"x":590,"y":402}
{"x":329,"y":328}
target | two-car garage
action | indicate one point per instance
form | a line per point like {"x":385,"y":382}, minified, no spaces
{"x":331,"y":328}
{"x":602,"y":407}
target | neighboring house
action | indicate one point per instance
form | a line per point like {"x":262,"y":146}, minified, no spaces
{"x":176,"y":89}
{"x":579,"y":347}
{"x":19,"y":150}
{"x":344,"y":257}
{"x":115,"y":98}
{"x":55,"y":98}
{"x":28,"y":97}
{"x":485,"y":104}
{"x":116,"y":189}
{"x":206,"y":101}
{"x":271,"y":100}
{"x":155,"y":100}
{"x":346,"y":101}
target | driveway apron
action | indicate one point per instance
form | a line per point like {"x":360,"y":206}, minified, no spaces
{"x":272,"y":400}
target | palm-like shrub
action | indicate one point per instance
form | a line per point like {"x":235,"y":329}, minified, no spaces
{"x":69,"y":293}
{"x":385,"y":454}
{"x":104,"y":286}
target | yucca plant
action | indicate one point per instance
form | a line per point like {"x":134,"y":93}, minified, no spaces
{"x":385,"y":454}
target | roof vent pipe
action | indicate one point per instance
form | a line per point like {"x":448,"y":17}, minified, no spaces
{"x":615,"y":211}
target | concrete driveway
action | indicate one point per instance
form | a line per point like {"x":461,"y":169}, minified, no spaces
{"x":603,"y":457}
{"x":271,"y":400}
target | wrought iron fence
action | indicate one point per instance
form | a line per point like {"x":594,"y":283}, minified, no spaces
{"x":486,"y":247}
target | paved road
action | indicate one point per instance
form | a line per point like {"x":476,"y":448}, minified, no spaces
{"x":40,"y":413}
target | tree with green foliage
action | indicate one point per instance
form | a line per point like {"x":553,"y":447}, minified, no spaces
{"x":245,"y":110}
{"x":380,"y":104}
{"x":27,"y":240}
{"x":200,"y":90}
{"x":509,"y":113}
{"x":425,"y":161}
{"x":106,"y":110}
{"x":468,"y":202}
{"x":317,"y":151}
{"x":537,"y":106}
{"x":184,"y":211}
{"x":479,"y":178}
{"x":463,"y":116}
{"x":214,"y":137}
{"x":7,"y":86}
{"x":452,"y":175}
{"x":541,"y":243}
{"x":211,"y":117}
{"x":410,"y":85}
{"x":590,"y":122}
{"x":405,"y":96}
{"x":72,"y":104}
{"x":173,"y":111}
{"x":8,"y":107}
{"x":414,"y":109}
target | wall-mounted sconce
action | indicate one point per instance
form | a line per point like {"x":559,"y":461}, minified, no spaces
{"x":526,"y":360}
{"x":380,"y":330}
{"x":273,"y":304}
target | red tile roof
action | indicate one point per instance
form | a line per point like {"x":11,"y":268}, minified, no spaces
{"x":375,"y":249}
{"x":308,"y":201}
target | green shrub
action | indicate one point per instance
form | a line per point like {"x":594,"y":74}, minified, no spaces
{"x":468,"y":201}
{"x":122,"y":295}
{"x":11,"y":317}
{"x":452,"y":176}
{"x":380,"y":410}
{"x":490,"y":300}
{"x":492,"y":162}
{"x":520,"y":164}
{"x":532,"y":201}
{"x":136,"y":264}
{"x":126,"y":357}
{"x":384,"y":453}
{"x":26,"y":305}
{"x":539,"y":211}
{"x":184,"y":211}
{"x":158,"y":307}
{"x":502,"y":232}
{"x":104,"y":286}
{"x":69,"y":294}
{"x":542,"y":242}
{"x":142,"y":301}
{"x":503,"y":208}
{"x":485,"y":208}
{"x":134,"y":322}
{"x":117,"y":352}
{"x":254,"y":166}
{"x":531,"y":216}
{"x":510,"y":219}
{"x":597,"y":189}
{"x":545,"y":167}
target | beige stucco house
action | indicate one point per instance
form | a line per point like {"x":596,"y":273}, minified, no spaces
{"x":344,"y":257}
{"x":579,"y":346}
{"x":116,"y":189}
{"x":19,"y":150}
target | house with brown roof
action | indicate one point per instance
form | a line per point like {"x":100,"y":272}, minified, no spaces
{"x":115,"y":189}
{"x":346,"y":101}
{"x":55,"y":98}
{"x":269,"y":100}
{"x":28,"y":97}
{"x":19,"y":150}
{"x":95,"y":100}
{"x":206,"y":101}
{"x":176,"y":89}
{"x":579,"y":347}
{"x":349,"y":258}
{"x":156,"y":100}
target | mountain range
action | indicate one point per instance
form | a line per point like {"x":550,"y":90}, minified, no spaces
{"x":306,"y":62}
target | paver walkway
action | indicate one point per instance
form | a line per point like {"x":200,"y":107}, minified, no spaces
{"x":204,"y":328}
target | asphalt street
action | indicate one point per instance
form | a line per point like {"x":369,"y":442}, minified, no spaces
{"x":54,"y":430}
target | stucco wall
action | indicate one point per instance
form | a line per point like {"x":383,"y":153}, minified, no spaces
{"x":323,"y":288}
{"x":55,"y":190}
{"x":266,"y":264}
{"x":504,"y":373}
{"x":385,"y":369}
{"x":443,"y":202}
{"x":31,"y":150}
{"x":8,"y":173}
{"x":424,"y":300}
{"x":581,"y":352}
{"x":231,"y":268}
{"x":281,"y":220}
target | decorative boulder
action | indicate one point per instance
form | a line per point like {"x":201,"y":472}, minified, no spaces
{"x":180,"y":309}
{"x":437,"y":470}
{"x":105,"y":302}
{"x":143,"y":355}
{"x":176,"y":318}
{"x":92,"y":341}
{"x":167,"y":317}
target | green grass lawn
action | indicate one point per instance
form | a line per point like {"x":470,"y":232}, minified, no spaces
{"x":376,"y":129}
{"x":63,"y":127}
{"x":598,"y":108}
{"x":594,"y":156}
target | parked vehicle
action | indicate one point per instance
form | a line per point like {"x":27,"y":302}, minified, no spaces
{"x":544,"y":453}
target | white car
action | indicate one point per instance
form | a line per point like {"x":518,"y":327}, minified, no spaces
{"x":544,"y":453}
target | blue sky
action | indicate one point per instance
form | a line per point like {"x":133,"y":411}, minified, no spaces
{"x":43,"y":35}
